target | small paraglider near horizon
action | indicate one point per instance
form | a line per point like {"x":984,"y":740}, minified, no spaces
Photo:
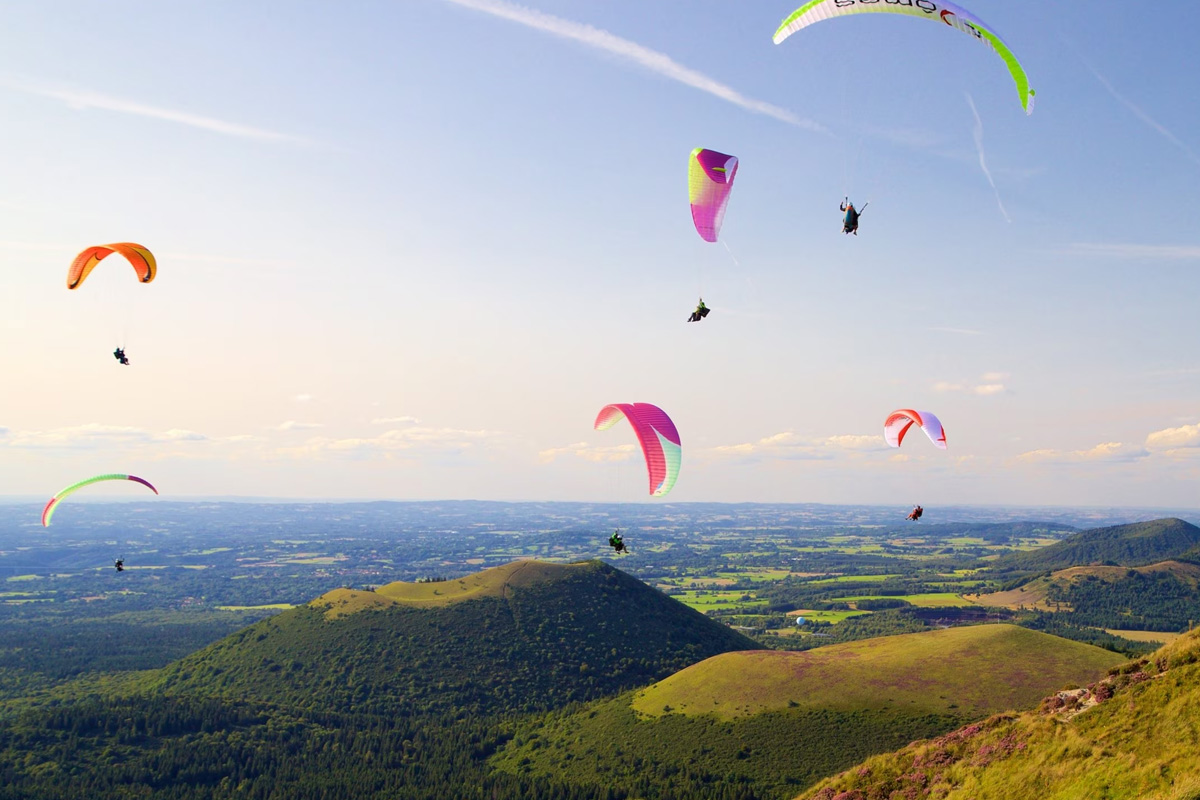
{"x":915,"y":514}
{"x":850,"y":221}
{"x":899,"y":422}
{"x":700,"y":313}
{"x":617,"y":543}
{"x":119,"y":564}
{"x":657,"y":435}
{"x":54,"y":502}
{"x":710,"y":180}
{"x":119,"y":355}
{"x":940,"y":11}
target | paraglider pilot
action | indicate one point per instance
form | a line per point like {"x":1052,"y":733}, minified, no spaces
{"x":915,"y":514}
{"x":616,"y":542}
{"x":119,"y":355}
{"x":119,"y":564}
{"x":850,"y":222}
{"x":700,"y":313}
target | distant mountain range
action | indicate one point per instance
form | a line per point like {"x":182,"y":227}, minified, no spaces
{"x":1132,"y":545}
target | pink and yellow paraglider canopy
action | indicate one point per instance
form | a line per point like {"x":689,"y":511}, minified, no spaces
{"x":710,"y":180}
{"x":656,"y":433}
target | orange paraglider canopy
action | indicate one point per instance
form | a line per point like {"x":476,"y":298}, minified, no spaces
{"x":139,"y":257}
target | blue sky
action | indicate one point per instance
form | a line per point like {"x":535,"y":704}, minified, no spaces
{"x":409,"y":249}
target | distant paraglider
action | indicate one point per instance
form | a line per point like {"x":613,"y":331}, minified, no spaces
{"x":915,"y":514}
{"x":617,"y":543}
{"x":52,"y":506}
{"x":935,"y":10}
{"x":657,"y":435}
{"x":119,"y":564}
{"x":700,"y":313}
{"x":898,"y":423}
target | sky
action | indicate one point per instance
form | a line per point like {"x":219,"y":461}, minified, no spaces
{"x":409,"y":249}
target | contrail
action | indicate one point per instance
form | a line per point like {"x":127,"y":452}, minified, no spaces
{"x":633,"y":52}
{"x":1142,"y":115}
{"x":983,"y":158}
{"x":85,"y":99}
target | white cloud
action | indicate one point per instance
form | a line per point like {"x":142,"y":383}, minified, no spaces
{"x":1185,"y":436}
{"x":412,"y":441}
{"x":989,"y":389}
{"x":632,"y":52}
{"x":83,"y":100}
{"x":788,"y":446}
{"x":1146,"y":252}
{"x":395,"y":421}
{"x":293,"y":425}
{"x":94,"y":436}
{"x":1105,"y":452}
{"x":992,"y":385}
{"x":621,"y":452}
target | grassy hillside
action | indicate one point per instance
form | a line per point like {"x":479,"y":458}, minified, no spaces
{"x":1036,"y":593}
{"x":523,"y":637}
{"x":776,"y":721}
{"x":922,"y":672}
{"x":1131,"y":736}
{"x":1156,"y":597}
{"x":1127,"y":545}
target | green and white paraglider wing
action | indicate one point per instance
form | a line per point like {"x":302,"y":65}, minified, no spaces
{"x":939,"y":11}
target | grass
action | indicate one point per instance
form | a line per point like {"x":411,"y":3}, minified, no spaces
{"x":832,"y":617}
{"x":852,"y":579}
{"x":716,"y":600}
{"x":1145,"y":636}
{"x":932,"y":600}
{"x":1140,"y":743}
{"x":979,"y":669}
{"x":280,"y":606}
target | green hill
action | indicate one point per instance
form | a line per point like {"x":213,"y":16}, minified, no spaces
{"x":1131,"y":736}
{"x":775,"y":721}
{"x":1126,"y":545}
{"x":523,"y":637}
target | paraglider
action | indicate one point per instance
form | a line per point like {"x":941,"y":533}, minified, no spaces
{"x":656,"y":434}
{"x":119,"y":564}
{"x":710,"y":180}
{"x":937,"y":11}
{"x":141,"y":259}
{"x":617,"y":543}
{"x":700,"y":313}
{"x":899,"y":421}
{"x":52,"y":506}
{"x":850,"y":221}
{"x":915,"y":514}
